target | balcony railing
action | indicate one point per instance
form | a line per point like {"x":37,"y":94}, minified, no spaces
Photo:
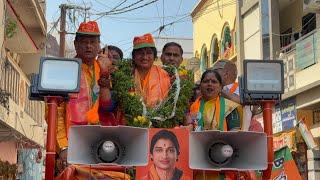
{"x":299,"y":58}
{"x":10,"y":81}
{"x":14,"y":83}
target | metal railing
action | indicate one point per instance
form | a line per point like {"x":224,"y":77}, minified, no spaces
{"x":15,"y":84}
{"x":10,"y":81}
{"x":299,"y":55}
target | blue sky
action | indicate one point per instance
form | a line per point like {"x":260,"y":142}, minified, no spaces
{"x":120,"y":29}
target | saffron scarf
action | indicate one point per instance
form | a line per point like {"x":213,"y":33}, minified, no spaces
{"x":154,"y":87}
{"x":83,"y":107}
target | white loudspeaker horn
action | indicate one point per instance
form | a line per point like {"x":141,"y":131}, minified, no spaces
{"x":108,"y":145}
{"x":232,"y":150}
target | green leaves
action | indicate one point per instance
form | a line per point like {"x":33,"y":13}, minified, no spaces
{"x":11,"y":28}
{"x":123,"y":85}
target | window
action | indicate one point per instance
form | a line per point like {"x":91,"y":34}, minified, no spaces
{"x":226,"y":44}
{"x":285,"y":84}
{"x":285,"y":67}
{"x":291,"y":80}
{"x":204,"y":59}
{"x":214,"y":51}
{"x":290,"y":63}
{"x":285,"y":38}
{"x":308,"y":23}
{"x":316,"y":117}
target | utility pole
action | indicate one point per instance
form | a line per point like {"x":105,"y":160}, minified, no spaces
{"x":63,"y":32}
{"x":63,"y":8}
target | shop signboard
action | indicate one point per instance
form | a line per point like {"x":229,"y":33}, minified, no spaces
{"x":276,"y":118}
{"x":288,"y":114}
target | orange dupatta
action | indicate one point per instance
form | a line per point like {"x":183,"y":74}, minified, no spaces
{"x":155,"y":86}
{"x":79,"y":110}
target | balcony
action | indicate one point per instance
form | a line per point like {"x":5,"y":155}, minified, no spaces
{"x":29,"y":17}
{"x":31,"y":13}
{"x":20,"y":118}
{"x":301,"y":67}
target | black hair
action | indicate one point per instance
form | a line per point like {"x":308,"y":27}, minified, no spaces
{"x":115,"y":48}
{"x":172,"y":44}
{"x":153,"y":49}
{"x":214,"y":72}
{"x":78,"y":36}
{"x":165,"y":134}
{"x":194,"y":89}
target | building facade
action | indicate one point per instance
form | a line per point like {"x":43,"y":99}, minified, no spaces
{"x":23,"y":40}
{"x":289,"y":31}
{"x":214,"y":32}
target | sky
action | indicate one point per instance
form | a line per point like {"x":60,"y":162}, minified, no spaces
{"x":120,"y":29}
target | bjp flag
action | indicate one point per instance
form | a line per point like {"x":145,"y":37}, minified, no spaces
{"x":284,"y":167}
{"x":306,"y":133}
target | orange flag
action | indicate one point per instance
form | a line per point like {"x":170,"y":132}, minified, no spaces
{"x":306,"y":133}
{"x":284,"y":166}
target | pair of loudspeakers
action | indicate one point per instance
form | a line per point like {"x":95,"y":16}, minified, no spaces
{"x":108,"y":145}
{"x":129,"y":146}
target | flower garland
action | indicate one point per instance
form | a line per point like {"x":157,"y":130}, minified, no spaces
{"x":165,"y":114}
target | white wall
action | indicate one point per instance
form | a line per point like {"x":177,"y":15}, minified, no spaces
{"x":29,"y":63}
{"x":252,"y":34}
{"x":290,"y":17}
{"x":308,"y":76}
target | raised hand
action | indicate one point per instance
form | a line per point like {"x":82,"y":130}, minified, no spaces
{"x":104,"y":59}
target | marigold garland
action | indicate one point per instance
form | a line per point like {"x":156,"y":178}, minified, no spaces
{"x":123,"y":87}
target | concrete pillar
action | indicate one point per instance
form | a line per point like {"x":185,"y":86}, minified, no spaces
{"x":313,"y":164}
{"x":274,"y":29}
{"x":2,"y":50}
{"x":239,"y":31}
{"x":318,"y":21}
{"x":2,"y":23}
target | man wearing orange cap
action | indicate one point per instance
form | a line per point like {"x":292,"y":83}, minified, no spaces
{"x":83,"y":108}
{"x":152,"y":82}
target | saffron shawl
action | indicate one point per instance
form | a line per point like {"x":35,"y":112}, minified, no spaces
{"x":155,"y":87}
{"x":85,"y":106}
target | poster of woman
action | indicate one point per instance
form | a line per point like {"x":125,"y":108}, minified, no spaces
{"x":168,"y":156}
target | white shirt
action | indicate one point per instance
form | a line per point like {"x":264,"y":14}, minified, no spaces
{"x":228,"y":87}
{"x":246,"y":109}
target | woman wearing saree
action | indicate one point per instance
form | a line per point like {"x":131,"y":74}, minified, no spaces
{"x":209,"y":112}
